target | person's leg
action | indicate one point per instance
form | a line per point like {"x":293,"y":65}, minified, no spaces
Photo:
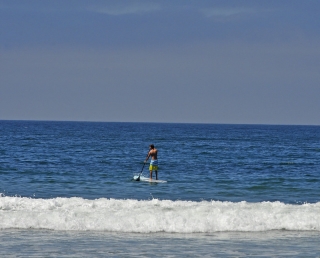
{"x":150,"y":174}
{"x":156,"y":174}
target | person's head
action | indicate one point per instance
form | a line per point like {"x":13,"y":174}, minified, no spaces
{"x":151,"y":146}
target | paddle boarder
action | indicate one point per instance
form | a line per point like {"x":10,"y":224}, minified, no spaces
{"x":153,"y":153}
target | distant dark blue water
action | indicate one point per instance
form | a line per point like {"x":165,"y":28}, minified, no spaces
{"x":251,"y":163}
{"x":232,"y":190}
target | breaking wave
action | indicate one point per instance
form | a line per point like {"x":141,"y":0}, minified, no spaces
{"x":148,"y":216}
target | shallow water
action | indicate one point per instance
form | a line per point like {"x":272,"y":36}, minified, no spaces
{"x":42,"y":243}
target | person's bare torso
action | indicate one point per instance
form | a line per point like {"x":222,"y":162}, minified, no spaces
{"x":154,"y":154}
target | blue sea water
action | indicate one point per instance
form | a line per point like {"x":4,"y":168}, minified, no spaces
{"x":232,"y":190}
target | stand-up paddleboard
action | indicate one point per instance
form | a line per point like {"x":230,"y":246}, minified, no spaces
{"x":147,"y":179}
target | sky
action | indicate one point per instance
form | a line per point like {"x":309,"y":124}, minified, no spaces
{"x":171,"y":61}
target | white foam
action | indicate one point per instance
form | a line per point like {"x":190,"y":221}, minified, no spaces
{"x":155,"y":215}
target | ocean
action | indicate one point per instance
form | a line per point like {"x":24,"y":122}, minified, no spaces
{"x":66,"y":190}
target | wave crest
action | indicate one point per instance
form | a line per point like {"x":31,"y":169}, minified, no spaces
{"x":155,"y":215}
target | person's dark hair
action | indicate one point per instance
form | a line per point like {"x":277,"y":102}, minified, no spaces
{"x":152,"y":146}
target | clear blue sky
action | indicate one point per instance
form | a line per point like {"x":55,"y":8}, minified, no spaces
{"x":200,"y":61}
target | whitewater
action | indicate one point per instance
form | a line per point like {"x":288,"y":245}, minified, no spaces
{"x":150,"y":216}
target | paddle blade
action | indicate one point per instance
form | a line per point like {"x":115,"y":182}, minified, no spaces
{"x":136,"y":178}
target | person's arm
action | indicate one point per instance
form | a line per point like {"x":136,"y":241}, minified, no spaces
{"x":147,"y":157}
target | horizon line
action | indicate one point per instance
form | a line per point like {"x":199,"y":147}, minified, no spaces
{"x":152,"y":122}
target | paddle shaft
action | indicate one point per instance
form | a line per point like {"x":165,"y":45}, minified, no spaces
{"x":138,"y":179}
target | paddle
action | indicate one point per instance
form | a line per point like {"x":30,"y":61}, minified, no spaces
{"x":138,"y":179}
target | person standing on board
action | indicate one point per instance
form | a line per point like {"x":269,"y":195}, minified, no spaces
{"x":153,"y":153}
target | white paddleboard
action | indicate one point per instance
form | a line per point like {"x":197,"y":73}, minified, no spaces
{"x":147,"y":179}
